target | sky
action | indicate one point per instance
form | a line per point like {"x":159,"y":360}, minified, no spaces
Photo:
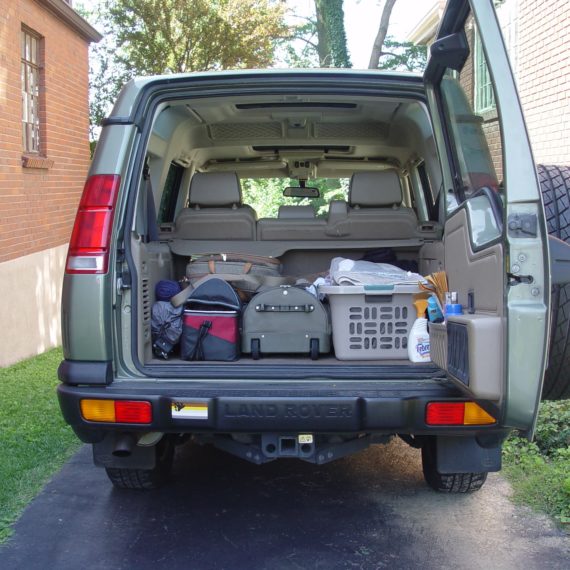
{"x":361,"y":18}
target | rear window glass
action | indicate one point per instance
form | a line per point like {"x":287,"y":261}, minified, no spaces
{"x":170,"y":192}
{"x":265,"y":195}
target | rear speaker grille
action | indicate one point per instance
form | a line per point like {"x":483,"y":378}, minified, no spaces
{"x":458,"y":352}
{"x":238,"y":131}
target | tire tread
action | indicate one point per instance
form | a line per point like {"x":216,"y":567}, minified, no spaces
{"x":555,"y":186}
{"x":145,"y":479}
{"x":452,"y":483}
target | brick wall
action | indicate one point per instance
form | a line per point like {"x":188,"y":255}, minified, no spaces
{"x":543,"y":76}
{"x":37,"y":205}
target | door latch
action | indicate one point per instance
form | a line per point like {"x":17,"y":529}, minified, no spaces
{"x":518,"y":279}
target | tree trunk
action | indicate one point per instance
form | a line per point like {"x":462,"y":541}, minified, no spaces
{"x":381,"y":35}
{"x":331,"y":34}
{"x":322,"y":34}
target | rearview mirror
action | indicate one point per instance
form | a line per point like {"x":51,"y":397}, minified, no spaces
{"x":301,"y":192}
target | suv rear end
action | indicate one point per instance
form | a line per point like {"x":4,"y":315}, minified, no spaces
{"x":475,"y":213}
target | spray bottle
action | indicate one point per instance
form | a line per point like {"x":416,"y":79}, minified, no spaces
{"x":418,"y":340}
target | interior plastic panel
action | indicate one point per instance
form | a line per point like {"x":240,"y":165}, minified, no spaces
{"x":479,"y":275}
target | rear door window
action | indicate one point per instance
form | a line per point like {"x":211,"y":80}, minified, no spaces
{"x":169,"y":198}
{"x":473,"y":123}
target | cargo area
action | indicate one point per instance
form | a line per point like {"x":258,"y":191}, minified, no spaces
{"x":368,"y":333}
{"x":234,"y":176}
{"x":301,"y":180}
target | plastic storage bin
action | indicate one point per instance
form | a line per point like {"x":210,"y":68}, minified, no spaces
{"x":371,"y":322}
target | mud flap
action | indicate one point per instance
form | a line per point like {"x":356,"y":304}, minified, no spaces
{"x":465,"y":455}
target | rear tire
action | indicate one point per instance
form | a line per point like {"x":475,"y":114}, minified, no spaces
{"x":145,"y":479}
{"x":453,"y":483}
{"x":555,"y":186}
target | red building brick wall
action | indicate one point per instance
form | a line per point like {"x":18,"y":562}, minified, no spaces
{"x":37,"y":205}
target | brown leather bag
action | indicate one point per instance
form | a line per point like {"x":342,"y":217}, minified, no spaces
{"x":247,"y":273}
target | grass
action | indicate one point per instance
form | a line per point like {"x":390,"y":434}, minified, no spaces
{"x":34,"y":439}
{"x":540,"y":471}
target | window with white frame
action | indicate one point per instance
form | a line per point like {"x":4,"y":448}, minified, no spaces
{"x":484,"y":98}
{"x":30,"y":71}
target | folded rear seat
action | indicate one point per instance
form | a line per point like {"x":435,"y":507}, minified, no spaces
{"x":215,"y":210}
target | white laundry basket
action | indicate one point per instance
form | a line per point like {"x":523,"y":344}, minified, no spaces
{"x":371,"y":322}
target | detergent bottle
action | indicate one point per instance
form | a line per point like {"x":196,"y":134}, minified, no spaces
{"x":418,"y":340}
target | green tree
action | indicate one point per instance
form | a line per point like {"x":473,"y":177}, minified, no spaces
{"x":332,"y":48}
{"x":381,"y":34}
{"x":403,"y":56}
{"x":174,"y":36}
{"x":388,"y":53}
{"x":265,"y":195}
{"x":320,"y":39}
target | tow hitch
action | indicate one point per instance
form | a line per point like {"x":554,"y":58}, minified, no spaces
{"x":262,"y":448}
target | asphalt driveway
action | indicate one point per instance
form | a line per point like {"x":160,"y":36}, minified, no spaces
{"x":368,"y":511}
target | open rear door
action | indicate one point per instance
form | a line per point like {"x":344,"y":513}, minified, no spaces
{"x":495,"y":238}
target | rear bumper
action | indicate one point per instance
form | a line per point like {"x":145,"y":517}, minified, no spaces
{"x":380,"y":407}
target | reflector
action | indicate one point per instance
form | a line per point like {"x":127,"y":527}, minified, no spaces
{"x":98,"y":410}
{"x":445,"y":413}
{"x":476,"y":415}
{"x":128,"y":412}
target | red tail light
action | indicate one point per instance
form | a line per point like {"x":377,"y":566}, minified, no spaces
{"x":91,"y":236}
{"x":129,"y":412}
{"x":445,"y":413}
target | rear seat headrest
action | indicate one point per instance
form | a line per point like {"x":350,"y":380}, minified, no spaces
{"x":296,"y":212}
{"x":375,"y":189}
{"x":215,"y":189}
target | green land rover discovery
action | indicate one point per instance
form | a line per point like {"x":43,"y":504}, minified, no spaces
{"x":403,"y":167}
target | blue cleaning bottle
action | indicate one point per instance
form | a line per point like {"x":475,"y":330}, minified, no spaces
{"x":434,"y":312}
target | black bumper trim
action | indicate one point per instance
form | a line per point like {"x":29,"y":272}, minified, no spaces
{"x":89,"y":373}
{"x":382,"y":411}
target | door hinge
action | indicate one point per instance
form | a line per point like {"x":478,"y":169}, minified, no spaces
{"x":124,"y":281}
{"x":522,"y":225}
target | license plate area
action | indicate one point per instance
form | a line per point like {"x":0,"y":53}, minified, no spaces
{"x":297,"y":415}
